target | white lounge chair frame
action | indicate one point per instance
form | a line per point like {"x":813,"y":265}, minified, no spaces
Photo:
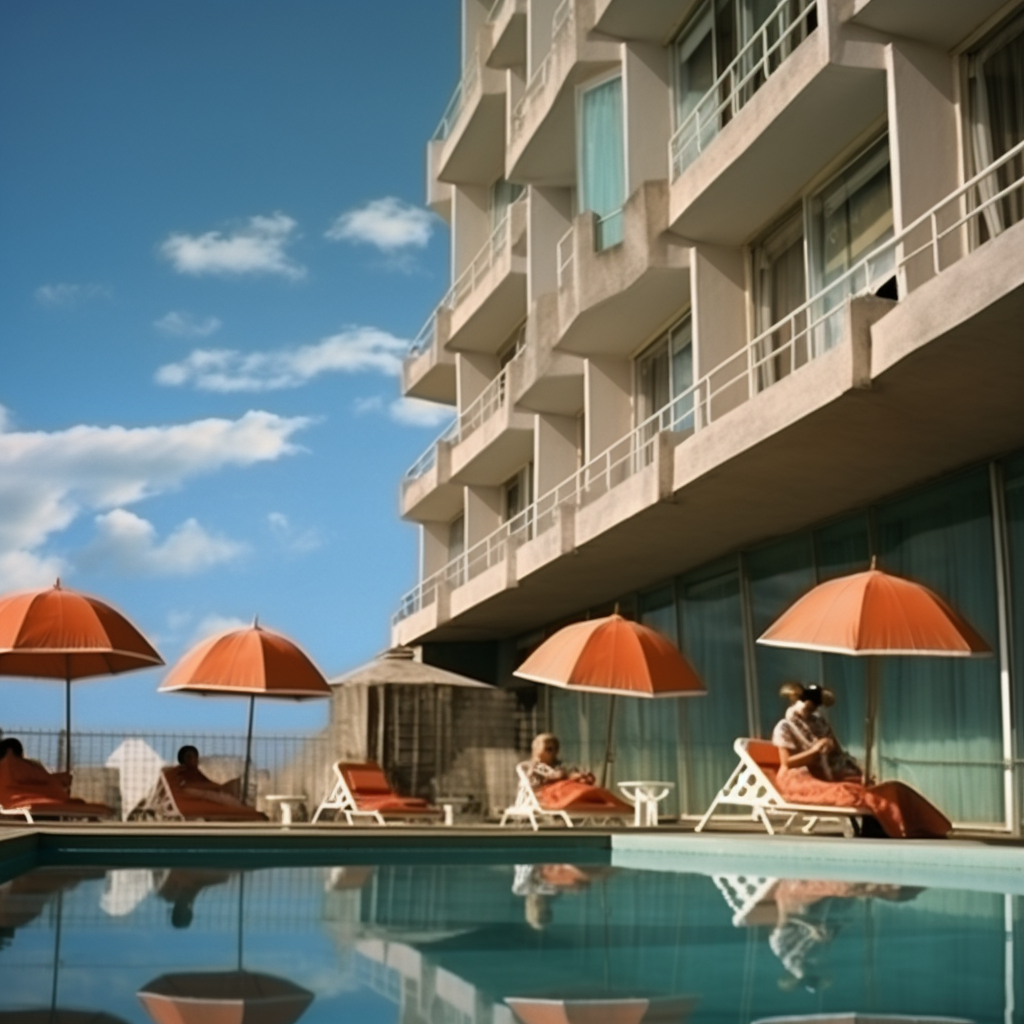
{"x":162,"y":805}
{"x":748,"y":786}
{"x":30,"y":817}
{"x":528,"y":808}
{"x":342,"y":800}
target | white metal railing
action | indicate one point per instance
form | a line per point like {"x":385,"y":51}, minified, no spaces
{"x":426,"y":462}
{"x":424,"y":338}
{"x":494,"y":14}
{"x":923,"y":249}
{"x":467,"y":83}
{"x":563,"y":17}
{"x":565,"y":258}
{"x":760,"y":57}
{"x":608,"y":230}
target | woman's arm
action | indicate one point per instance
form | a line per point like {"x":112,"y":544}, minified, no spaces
{"x":790,"y":759}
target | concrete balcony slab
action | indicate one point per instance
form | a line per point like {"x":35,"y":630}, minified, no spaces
{"x":542,"y":135}
{"x":508,"y":35}
{"x":555,"y":537}
{"x":439,"y":193}
{"x":941,"y":23}
{"x":423,"y":622}
{"x":472,"y":145}
{"x":485,"y":585}
{"x":428,"y":371}
{"x":544,"y":380}
{"x":432,"y":496}
{"x":612,"y":300}
{"x":653,"y":21}
{"x":496,"y":450}
{"x":493,"y":302}
{"x":829,"y":91}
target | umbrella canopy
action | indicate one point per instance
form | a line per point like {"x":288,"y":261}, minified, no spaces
{"x":224,"y":997}
{"x":601,"y":1011}
{"x":874,"y":613}
{"x":399,"y":666}
{"x":253,"y":662}
{"x":61,"y":634}
{"x":614,"y":656}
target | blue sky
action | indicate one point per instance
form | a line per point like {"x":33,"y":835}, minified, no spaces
{"x":215,"y":251}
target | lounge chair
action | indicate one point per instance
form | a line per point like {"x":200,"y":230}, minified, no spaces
{"x":41,"y":796}
{"x":167,"y":802}
{"x":361,"y":790}
{"x":72,"y":809}
{"x":752,"y":785}
{"x":528,"y":807}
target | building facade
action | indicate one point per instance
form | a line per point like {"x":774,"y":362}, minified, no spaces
{"x":737,"y":303}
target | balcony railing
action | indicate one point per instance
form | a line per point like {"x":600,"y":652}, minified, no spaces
{"x":426,"y":462}
{"x":565,"y":258}
{"x":991,"y":202}
{"x":468,"y":82}
{"x":563,"y":17}
{"x":488,"y":403}
{"x":787,"y":26}
{"x":425,"y":338}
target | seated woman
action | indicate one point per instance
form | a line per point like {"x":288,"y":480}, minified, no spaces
{"x":192,"y":782}
{"x":559,"y":787}
{"x":24,"y":782}
{"x":816,"y":770}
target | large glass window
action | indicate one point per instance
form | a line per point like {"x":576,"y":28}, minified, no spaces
{"x":602,"y":175}
{"x":780,"y":284}
{"x":996,"y":107}
{"x":517,"y":495}
{"x":503,"y":195}
{"x":664,"y":377}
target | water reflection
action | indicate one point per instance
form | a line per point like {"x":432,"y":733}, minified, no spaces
{"x":501,"y":944}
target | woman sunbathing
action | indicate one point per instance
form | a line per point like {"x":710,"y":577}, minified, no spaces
{"x":193,"y":783}
{"x":26,"y":783}
{"x":559,"y":787}
{"x":816,"y":770}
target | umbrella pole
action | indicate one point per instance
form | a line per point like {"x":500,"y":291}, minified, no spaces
{"x":871,"y":714}
{"x":67,"y":721}
{"x":248,"y":749}
{"x":608,"y":743}
{"x":56,"y":953}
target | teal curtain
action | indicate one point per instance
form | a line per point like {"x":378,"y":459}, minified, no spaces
{"x":1013,"y":477}
{"x":711,"y":634}
{"x":940,"y":718}
{"x":602,"y":159}
{"x":842,"y":548}
{"x":779,"y":574}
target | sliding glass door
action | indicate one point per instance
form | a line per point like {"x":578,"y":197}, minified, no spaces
{"x":602,"y":172}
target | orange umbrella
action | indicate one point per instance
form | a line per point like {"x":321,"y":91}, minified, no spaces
{"x":601,"y":1011}
{"x":253,"y":661}
{"x":873,"y":613}
{"x":62,"y":634}
{"x":612,"y":655}
{"x":224,"y":997}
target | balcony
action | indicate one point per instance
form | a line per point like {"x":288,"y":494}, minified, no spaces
{"x":488,"y":299}
{"x":798,"y":94}
{"x":428,"y":370}
{"x":542,"y":135}
{"x":545,"y":380}
{"x":508,"y":34}
{"x":468,"y":146}
{"x":428,"y":493}
{"x":493,"y":439}
{"x":653,"y":21}
{"x":940,"y":23}
{"x":611,"y":299}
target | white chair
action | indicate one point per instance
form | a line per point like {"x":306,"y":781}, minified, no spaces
{"x":528,"y":807}
{"x":361,"y":789}
{"x":752,"y":785}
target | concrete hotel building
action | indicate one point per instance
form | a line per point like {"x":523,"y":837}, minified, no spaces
{"x":737,"y":302}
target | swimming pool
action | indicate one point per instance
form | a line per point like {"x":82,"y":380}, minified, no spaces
{"x":530,"y":932}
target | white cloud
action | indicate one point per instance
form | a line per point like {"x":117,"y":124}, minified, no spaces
{"x":48,"y":479}
{"x":211,"y":625}
{"x":258,"y":248}
{"x":389,"y":224}
{"x":373,"y":403}
{"x":25,"y":570}
{"x":185,"y":325}
{"x":355,"y":350}
{"x":293,"y":539}
{"x":69,"y":294}
{"x":128,"y":544}
{"x":415,"y":412}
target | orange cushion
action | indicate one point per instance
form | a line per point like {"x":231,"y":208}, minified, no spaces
{"x":366,"y":779}
{"x":763,"y":753}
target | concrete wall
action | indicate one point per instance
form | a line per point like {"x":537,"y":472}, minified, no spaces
{"x":471,"y":225}
{"x":648,"y":110}
{"x":474,"y":371}
{"x":555,"y":452}
{"x":549,"y":214}
{"x":608,"y":401}
{"x":483,"y":513}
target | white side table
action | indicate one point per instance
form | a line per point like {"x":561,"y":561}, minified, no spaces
{"x":645,"y":796}
{"x":451,"y":805}
{"x":288,"y":802}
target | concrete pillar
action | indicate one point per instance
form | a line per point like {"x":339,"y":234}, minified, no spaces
{"x":483,"y":513}
{"x":608,"y":402}
{"x":549,"y":214}
{"x":433,"y":548}
{"x":720,"y":328}
{"x":923,"y":143}
{"x":555,"y":453}
{"x":473,"y":372}
{"x":648,"y":100}
{"x":471,"y":224}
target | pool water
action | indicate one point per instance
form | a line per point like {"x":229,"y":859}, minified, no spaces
{"x":478,"y":943}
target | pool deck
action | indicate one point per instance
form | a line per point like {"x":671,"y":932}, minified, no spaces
{"x":974,"y":861}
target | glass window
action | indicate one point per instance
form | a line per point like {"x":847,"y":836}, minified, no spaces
{"x":1013,"y":470}
{"x":664,"y":376}
{"x":456,"y":537}
{"x":996,"y":108}
{"x":517,"y":494}
{"x":503,"y":195}
{"x":602,"y":159}
{"x":781,"y":288}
